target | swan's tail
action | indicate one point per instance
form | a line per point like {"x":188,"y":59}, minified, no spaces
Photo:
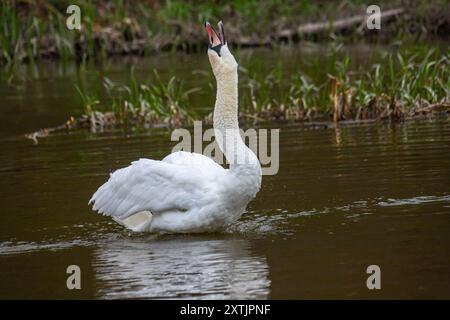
{"x":139,"y":222}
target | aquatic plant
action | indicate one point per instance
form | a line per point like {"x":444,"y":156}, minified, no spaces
{"x":138,"y":105}
{"x":410,"y":83}
{"x":10,"y":39}
{"x":33,"y":29}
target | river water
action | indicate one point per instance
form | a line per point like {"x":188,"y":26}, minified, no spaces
{"x":343,"y":199}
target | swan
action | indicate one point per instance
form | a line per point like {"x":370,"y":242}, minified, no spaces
{"x":189,"y":192}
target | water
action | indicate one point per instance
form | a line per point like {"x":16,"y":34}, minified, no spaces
{"x":343,"y":199}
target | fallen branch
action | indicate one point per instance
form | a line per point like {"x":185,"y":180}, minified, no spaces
{"x":432,"y":107}
{"x":310,"y":29}
{"x":92,"y":123}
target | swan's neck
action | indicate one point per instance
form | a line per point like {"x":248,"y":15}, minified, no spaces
{"x":226,"y":108}
{"x":242,"y":160}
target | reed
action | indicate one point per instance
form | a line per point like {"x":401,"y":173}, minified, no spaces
{"x":32,"y":29}
{"x":408,"y":83}
{"x":412,"y":83}
{"x":139,"y":105}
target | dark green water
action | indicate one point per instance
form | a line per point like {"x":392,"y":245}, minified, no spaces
{"x":343,"y":199}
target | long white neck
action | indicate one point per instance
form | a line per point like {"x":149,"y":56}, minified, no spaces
{"x":242,"y":160}
{"x":226,"y":108}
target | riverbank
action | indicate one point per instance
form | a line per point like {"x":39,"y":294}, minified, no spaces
{"x":411,"y":84}
{"x":35,"y":30}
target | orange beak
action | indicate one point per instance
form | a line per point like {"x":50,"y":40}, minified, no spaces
{"x":214,"y":38}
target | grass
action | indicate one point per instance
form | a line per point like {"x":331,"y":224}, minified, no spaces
{"x":10,"y":33}
{"x":138,"y":105}
{"x":410,"y":81}
{"x":34,"y":29}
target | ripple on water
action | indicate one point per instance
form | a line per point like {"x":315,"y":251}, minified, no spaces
{"x":201,"y":269}
{"x":176,"y":267}
{"x":414,"y":201}
{"x":279,"y":222}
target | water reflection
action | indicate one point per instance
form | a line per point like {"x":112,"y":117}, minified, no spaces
{"x":414,"y":201}
{"x":337,"y":135}
{"x":180,"y":268}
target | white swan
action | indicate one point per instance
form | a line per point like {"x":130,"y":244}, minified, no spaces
{"x":188,"y":192}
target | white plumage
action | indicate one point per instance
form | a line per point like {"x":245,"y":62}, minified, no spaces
{"x":188,"y":192}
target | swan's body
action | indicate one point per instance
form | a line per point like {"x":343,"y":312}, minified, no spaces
{"x":188,"y":192}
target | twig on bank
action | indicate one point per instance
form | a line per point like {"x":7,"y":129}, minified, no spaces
{"x":315,"y":28}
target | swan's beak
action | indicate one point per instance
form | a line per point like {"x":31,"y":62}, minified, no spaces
{"x":216,"y":41}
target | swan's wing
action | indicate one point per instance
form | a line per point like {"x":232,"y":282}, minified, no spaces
{"x":193,"y":160}
{"x":157,"y":186}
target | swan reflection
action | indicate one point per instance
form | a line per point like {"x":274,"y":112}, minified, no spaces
{"x":181,"y":268}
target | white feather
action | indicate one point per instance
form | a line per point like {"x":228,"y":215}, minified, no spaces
{"x":187,"y":192}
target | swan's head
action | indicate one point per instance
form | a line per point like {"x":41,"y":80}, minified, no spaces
{"x":220,"y":57}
